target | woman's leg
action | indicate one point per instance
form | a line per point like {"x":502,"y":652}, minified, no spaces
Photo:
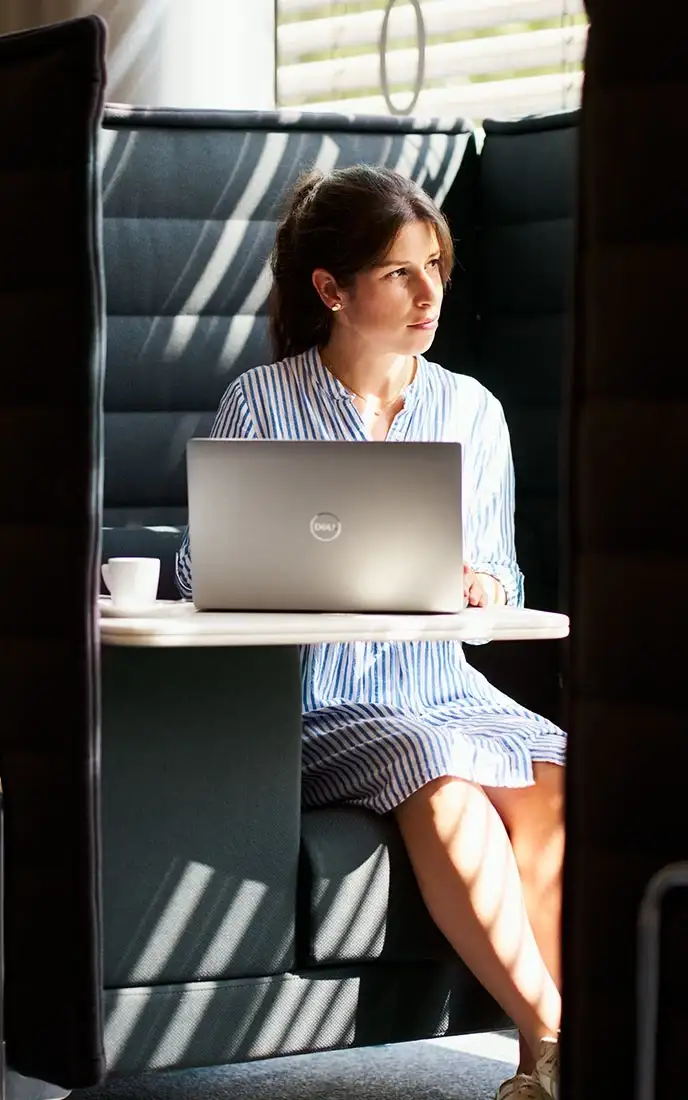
{"x":534,"y":819}
{"x":467,"y":873}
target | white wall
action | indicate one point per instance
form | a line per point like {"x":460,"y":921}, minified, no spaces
{"x":174,"y":53}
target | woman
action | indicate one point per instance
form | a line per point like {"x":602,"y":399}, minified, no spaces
{"x":475,"y":781}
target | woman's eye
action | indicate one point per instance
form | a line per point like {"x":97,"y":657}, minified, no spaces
{"x":435,"y":262}
{"x":399,"y":271}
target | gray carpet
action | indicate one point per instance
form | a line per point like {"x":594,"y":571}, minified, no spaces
{"x":466,"y":1068}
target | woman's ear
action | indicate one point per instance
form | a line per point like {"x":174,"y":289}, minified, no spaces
{"x":327,"y":289}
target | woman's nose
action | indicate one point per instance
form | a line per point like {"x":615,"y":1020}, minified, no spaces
{"x":427,"y":291}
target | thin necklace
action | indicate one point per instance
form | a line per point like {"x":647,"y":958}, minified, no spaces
{"x":381,"y":404}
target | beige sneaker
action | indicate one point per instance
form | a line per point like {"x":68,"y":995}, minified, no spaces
{"x":520,"y":1087}
{"x":546,"y":1071}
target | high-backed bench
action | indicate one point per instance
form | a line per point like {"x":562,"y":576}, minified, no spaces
{"x":318,"y":935}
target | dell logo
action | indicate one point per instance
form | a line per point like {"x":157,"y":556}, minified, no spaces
{"x":325,"y":527}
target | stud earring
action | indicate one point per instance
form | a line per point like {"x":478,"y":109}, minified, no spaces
{"x":337,"y":306}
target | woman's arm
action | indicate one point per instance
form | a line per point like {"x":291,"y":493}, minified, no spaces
{"x":489,"y":541}
{"x":232,"y":421}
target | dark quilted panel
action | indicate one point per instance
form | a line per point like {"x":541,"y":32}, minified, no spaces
{"x":456,"y":343}
{"x":51,"y":321}
{"x":627,"y":477}
{"x":527,"y":188}
{"x":191,"y":267}
{"x":359,"y":896}
{"x":336,"y":1007}
{"x":190,"y":205}
{"x":146,"y":457}
{"x":526,"y":337}
{"x":200,"y":828}
{"x":535,"y":155}
{"x":524,"y":271}
{"x":177,"y":364}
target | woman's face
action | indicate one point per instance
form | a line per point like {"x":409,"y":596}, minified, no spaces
{"x":394,"y":308}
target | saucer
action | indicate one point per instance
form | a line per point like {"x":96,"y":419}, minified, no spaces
{"x":141,"y":611}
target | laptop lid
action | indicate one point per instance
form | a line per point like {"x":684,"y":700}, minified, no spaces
{"x":278,"y":525}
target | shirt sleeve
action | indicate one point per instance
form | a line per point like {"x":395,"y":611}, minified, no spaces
{"x":232,"y":421}
{"x":489,"y":537}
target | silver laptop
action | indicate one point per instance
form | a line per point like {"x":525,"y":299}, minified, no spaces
{"x":325,"y":526}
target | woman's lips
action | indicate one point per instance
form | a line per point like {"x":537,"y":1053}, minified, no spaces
{"x":430,"y":323}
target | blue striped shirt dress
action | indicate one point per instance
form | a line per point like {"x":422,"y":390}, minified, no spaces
{"x":382,"y":719}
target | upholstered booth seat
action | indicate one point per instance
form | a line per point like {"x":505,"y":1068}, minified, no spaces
{"x":359,"y":898}
{"x":318,"y":932}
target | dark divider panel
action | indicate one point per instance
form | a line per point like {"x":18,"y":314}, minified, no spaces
{"x":51,"y":345}
{"x":628,"y":754}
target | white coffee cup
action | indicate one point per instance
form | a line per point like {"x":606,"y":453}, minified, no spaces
{"x":132,"y":582}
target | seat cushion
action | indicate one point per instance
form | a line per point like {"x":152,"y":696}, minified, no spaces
{"x":358,"y":895}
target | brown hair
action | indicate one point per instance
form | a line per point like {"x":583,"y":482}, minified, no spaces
{"x":343,"y":222}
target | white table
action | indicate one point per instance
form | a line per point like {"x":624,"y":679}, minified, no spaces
{"x":177,"y":623}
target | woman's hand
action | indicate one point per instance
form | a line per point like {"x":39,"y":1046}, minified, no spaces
{"x":473,"y":588}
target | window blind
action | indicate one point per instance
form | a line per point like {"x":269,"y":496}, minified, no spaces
{"x":475,"y":58}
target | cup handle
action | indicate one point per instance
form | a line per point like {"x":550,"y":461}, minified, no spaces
{"x":105,"y":570}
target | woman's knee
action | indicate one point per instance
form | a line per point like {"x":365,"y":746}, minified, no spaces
{"x":450,"y":816}
{"x":550,"y":776}
{"x":446,"y":795}
{"x":550,"y":785}
{"x":538,"y":831}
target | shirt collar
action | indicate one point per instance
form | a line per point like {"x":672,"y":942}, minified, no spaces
{"x":314,"y":366}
